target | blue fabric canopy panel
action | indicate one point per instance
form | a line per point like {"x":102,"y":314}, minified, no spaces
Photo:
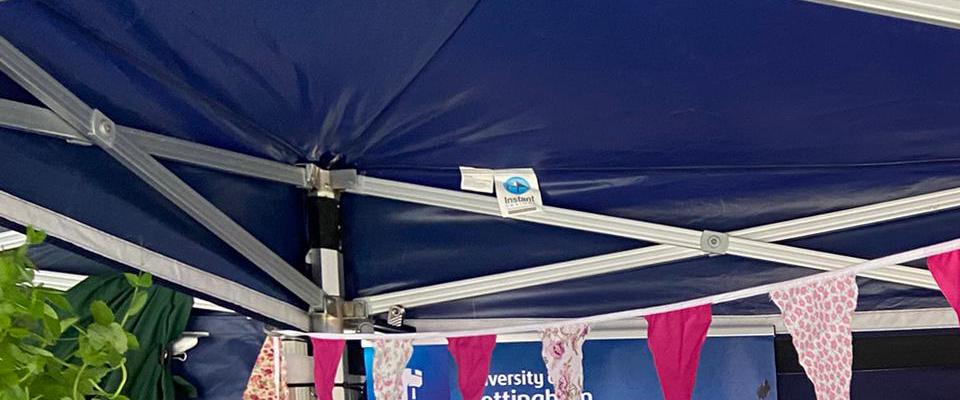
{"x":704,"y":116}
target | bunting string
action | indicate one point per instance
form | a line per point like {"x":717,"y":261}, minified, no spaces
{"x":893,"y":259}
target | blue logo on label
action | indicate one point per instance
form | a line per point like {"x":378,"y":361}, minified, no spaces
{"x":516,"y":185}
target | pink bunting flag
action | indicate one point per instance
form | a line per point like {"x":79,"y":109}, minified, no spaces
{"x":268,"y":378}
{"x":819,"y":317}
{"x":472,"y":355}
{"x":563,"y":355}
{"x":675,"y":339}
{"x":326,"y":360}
{"x":945,"y":269}
{"x":390,"y":358}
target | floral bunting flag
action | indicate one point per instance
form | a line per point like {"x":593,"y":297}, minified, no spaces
{"x":675,"y":339}
{"x":326,"y":361}
{"x":563,"y":355}
{"x":945,"y":269}
{"x":268,"y":378}
{"x":472,"y":355}
{"x":390,"y":357}
{"x":819,"y":316}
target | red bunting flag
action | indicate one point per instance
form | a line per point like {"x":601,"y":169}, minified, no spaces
{"x":819,"y":317}
{"x":675,"y":339}
{"x":945,"y":269}
{"x":472,"y":355}
{"x":326,"y":360}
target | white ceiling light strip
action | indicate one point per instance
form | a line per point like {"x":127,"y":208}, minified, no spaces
{"x":11,"y":240}
{"x":64,"y":281}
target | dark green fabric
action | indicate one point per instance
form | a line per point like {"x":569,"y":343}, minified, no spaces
{"x":161,"y":322}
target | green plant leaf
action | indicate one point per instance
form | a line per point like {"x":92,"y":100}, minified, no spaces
{"x":184,"y":386}
{"x":18,"y":333}
{"x":52,"y":328}
{"x":18,"y":354}
{"x":33,"y":317}
{"x":118,"y":338}
{"x":132,"y":279}
{"x":9,"y":273}
{"x":27,"y":274}
{"x":101,"y":313}
{"x":21,"y":252}
{"x":136,"y":305}
{"x":56,"y":298}
{"x":38,"y":351}
{"x":132,"y":342}
{"x":146,"y":280}
{"x":35,"y":236}
{"x":103,"y":344}
{"x":50,"y":312}
{"x":67,"y":323}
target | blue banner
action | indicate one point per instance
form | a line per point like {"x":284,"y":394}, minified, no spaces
{"x":740,"y":368}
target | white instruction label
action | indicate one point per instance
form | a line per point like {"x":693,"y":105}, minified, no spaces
{"x":518,"y":191}
{"x":476,"y":179}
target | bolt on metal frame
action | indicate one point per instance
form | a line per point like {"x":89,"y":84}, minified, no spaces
{"x":117,"y":141}
{"x":676,"y":243}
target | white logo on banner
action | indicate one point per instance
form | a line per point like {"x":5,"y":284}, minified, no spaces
{"x":523,"y":385}
{"x":412,"y":379}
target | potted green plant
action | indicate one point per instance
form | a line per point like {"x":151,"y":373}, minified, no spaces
{"x":33,"y":319}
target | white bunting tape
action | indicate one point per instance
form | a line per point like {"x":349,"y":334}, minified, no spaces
{"x":893,"y":259}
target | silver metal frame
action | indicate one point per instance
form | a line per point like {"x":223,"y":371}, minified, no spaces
{"x":64,"y":281}
{"x":937,"y":12}
{"x":75,"y":122}
{"x":110,"y":247}
{"x":117,"y":141}
{"x":678,"y":243}
{"x":28,"y":118}
{"x":721,"y":325}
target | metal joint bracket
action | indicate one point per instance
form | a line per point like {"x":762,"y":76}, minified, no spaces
{"x":343,"y":179}
{"x":337,"y":307}
{"x":714,"y":242}
{"x":102,"y":128}
{"x":318,"y":179}
{"x":337,"y":314}
{"x":328,"y":182}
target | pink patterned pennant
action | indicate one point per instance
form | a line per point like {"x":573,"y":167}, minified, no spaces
{"x":945,"y":269}
{"x":326,"y":360}
{"x":819,"y":316}
{"x":268,"y":378}
{"x":390,"y":358}
{"x":675,"y":339}
{"x":563,"y":355}
{"x":472,"y":355}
